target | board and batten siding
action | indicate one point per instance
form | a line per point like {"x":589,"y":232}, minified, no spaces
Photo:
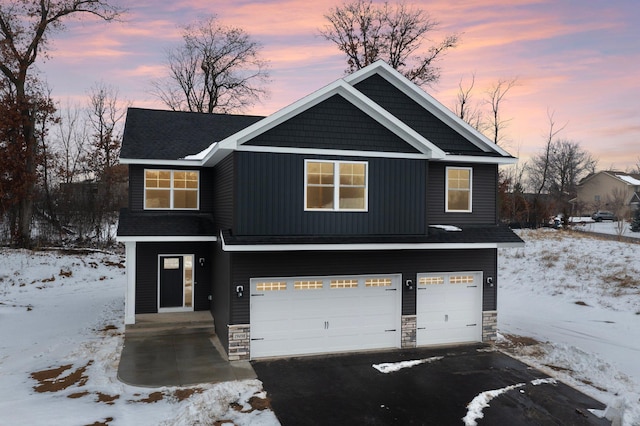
{"x":136,"y":186}
{"x":223,"y":192}
{"x":270,"y":198}
{"x":484,"y":195}
{"x":409,"y":263}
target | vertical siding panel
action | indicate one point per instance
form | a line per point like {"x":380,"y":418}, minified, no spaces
{"x":223,"y":193}
{"x":271,"y":202}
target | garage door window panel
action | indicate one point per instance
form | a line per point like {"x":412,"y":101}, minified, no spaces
{"x":308,"y":285}
{"x":340,"y":284}
{"x":378,"y":282}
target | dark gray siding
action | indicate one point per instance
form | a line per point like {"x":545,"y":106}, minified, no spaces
{"x":221,"y":291}
{"x":406,"y":262}
{"x":418,"y":118}
{"x":223,"y":192}
{"x":136,"y":186}
{"x":270,"y":198}
{"x":147,"y":273}
{"x":484,"y":195}
{"x":333,"y":124}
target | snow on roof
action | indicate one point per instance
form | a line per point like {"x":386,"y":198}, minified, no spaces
{"x":629,"y":179}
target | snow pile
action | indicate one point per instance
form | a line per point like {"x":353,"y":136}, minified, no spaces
{"x":448,"y":228}
{"x":481,"y":401}
{"x":392,"y":367}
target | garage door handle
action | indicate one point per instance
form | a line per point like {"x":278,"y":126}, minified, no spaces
{"x":258,"y":338}
{"x":422,"y":328}
{"x":258,"y":294}
{"x":472,"y":286}
{"x":471,"y":325}
{"x":391,"y":330}
{"x":390,"y":289}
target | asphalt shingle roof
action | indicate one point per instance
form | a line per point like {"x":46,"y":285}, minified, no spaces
{"x":171,"y":135}
{"x":471,"y":234}
{"x":151,"y":224}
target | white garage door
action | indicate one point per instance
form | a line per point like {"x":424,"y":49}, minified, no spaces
{"x":449,"y":308}
{"x":307,"y":315}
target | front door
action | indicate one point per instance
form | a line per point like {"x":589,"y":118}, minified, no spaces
{"x":175,"y":289}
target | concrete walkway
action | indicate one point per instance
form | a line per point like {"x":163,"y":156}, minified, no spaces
{"x":177,"y":349}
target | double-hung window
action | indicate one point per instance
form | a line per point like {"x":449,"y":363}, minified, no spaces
{"x":458,"y":189}
{"x":336,"y":185}
{"x":171,"y":189}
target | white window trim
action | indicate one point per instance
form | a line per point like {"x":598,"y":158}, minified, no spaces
{"x":171,"y":190}
{"x":446,"y":189}
{"x":336,"y":185}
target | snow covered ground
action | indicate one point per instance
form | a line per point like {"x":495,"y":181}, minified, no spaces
{"x":61,"y":325}
{"x":568,"y":304}
{"x":579,"y":296}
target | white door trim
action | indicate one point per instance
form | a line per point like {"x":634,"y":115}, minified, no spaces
{"x":183,"y":308}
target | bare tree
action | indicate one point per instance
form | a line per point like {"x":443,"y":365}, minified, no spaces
{"x":539,"y":168}
{"x":71,"y":137}
{"x":105,"y":116}
{"x":217,"y":69}
{"x":25,"y":27}
{"x":497,"y":123}
{"x":365,"y":32}
{"x":464,"y":108}
{"x":617,"y":203}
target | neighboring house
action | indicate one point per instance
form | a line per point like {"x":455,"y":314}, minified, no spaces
{"x":363,"y":216}
{"x":608,"y":190}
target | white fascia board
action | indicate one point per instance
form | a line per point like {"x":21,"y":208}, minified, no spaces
{"x":479,"y":159}
{"x":168,"y":239}
{"x":160,"y":163}
{"x":364,"y":247}
{"x":340,"y":152}
{"x":339,"y":87}
{"x":427,"y":101}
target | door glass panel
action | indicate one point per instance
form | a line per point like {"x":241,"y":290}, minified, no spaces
{"x":171,"y":263}
{"x":188,"y":281}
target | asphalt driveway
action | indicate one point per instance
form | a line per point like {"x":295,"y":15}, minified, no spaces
{"x":347,"y":390}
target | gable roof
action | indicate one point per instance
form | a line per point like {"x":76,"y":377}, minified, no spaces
{"x":630,"y":179}
{"x":207,"y":138}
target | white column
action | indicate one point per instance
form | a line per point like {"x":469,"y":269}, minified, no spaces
{"x":130,"y":295}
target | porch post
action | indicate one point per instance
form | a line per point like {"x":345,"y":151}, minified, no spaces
{"x":130,"y":295}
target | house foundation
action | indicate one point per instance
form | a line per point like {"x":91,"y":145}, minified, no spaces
{"x":489,"y":326}
{"x":239,"y":338}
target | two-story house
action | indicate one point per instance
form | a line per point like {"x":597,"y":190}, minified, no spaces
{"x":363,"y":216}
{"x":612,"y":190}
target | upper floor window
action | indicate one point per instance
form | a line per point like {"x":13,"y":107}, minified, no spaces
{"x":171,"y":189}
{"x":335,"y":185}
{"x":458,"y":189}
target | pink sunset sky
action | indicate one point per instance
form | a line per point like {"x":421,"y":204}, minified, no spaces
{"x":578,"y":59}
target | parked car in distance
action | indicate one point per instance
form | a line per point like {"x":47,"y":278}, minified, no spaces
{"x":599,"y":216}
